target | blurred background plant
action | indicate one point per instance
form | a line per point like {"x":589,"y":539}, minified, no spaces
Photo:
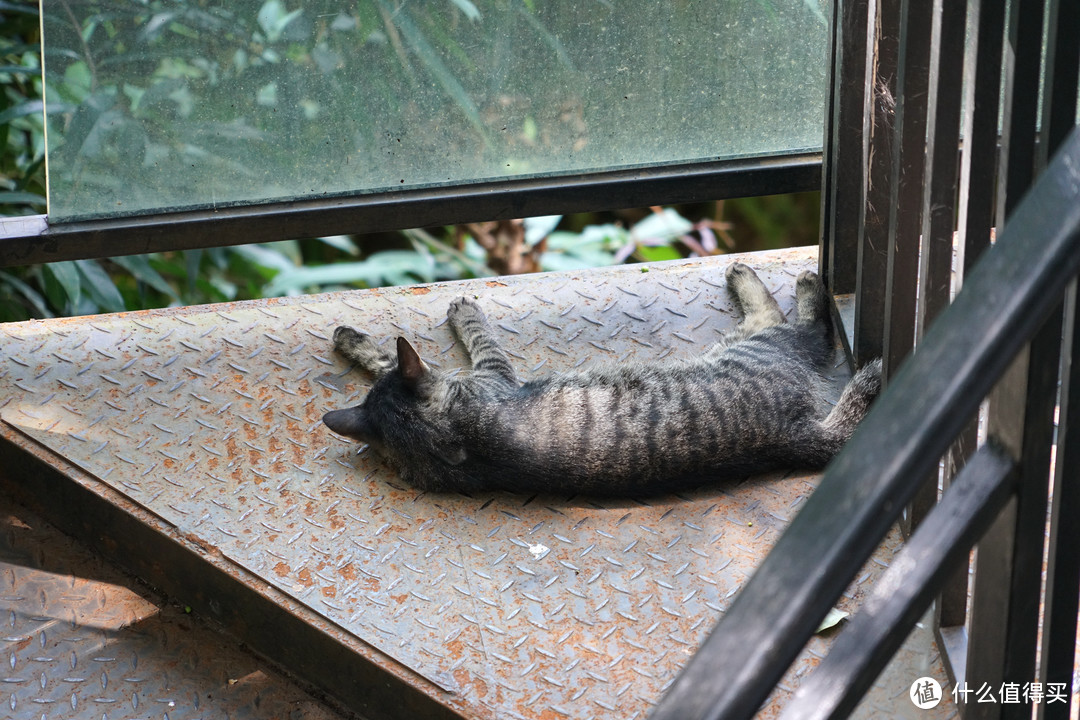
{"x":313,"y":265}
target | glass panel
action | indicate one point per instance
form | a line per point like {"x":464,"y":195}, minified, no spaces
{"x":159,"y":105}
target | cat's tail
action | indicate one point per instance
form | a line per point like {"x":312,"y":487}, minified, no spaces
{"x":859,"y":393}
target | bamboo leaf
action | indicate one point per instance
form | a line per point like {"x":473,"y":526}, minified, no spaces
{"x":140,"y":268}
{"x":14,"y":197}
{"x":435,"y":65}
{"x":66,"y":275}
{"x":36,"y":300}
{"x":99,"y":286}
{"x":468,"y":8}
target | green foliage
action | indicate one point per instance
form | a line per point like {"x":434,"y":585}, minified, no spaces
{"x":258,"y":46}
{"x":288,"y":268}
{"x":168,"y":103}
{"x":22,"y":127}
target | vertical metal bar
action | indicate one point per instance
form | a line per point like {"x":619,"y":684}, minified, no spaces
{"x":1062,"y":75}
{"x":906,"y":182}
{"x":1029,"y":538}
{"x":1002,"y":647}
{"x":980,"y":157}
{"x":1004,"y":624}
{"x":826,"y":238}
{"x":1022,"y":63}
{"x":906,"y":205}
{"x":844,"y":156}
{"x":1062,"y":603}
{"x":975,"y":217}
{"x":1008,"y":563}
{"x":943,"y":141}
{"x":874,"y":213}
{"x":939,"y":224}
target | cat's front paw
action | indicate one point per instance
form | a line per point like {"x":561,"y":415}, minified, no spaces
{"x":362,"y":350}
{"x":346,"y":338}
{"x":462,"y":310}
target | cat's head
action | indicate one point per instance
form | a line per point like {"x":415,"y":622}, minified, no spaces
{"x":403,"y":416}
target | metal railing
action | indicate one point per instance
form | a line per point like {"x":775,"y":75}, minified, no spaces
{"x":895,"y":195}
{"x":1004,"y":303}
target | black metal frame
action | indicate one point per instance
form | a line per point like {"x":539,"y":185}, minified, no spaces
{"x":379,"y":212}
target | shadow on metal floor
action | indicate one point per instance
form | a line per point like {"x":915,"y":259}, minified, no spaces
{"x":83,"y":640}
{"x":186,"y":445}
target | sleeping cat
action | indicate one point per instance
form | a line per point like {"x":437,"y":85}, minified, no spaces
{"x":751,"y":403}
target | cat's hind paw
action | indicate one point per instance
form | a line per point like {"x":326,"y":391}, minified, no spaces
{"x":811,"y":298}
{"x":752,"y":299}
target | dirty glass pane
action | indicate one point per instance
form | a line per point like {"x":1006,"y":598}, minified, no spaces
{"x":159,"y":105}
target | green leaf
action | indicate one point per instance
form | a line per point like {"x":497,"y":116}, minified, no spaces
{"x":657,"y":254}
{"x":36,"y":300}
{"x":390,"y":267}
{"x":66,"y":275}
{"x":538,"y":228}
{"x":8,"y":197}
{"x":265,"y":257}
{"x":27,"y":8}
{"x":78,"y":81}
{"x":140,"y":268}
{"x":192,"y":263}
{"x":435,"y":65}
{"x":20,"y":69}
{"x":344,"y":243}
{"x":100,"y":287}
{"x":664,"y":225}
{"x":468,"y":8}
{"x":273,"y":19}
{"x":30,"y":107}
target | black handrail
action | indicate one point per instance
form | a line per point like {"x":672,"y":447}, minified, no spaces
{"x":1005,"y":300}
{"x":902,"y":594}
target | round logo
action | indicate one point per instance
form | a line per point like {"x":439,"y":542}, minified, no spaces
{"x":925,"y":693}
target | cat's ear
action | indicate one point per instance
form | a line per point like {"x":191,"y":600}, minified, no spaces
{"x":412,"y":368}
{"x":351,"y":422}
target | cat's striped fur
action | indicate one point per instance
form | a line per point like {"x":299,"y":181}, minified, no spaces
{"x":751,"y":403}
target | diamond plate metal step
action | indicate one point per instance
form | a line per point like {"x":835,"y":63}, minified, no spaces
{"x":187,"y":444}
{"x":80,"y":640}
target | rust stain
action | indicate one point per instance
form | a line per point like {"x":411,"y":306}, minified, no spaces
{"x":562,"y":590}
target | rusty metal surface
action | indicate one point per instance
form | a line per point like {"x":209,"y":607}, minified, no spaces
{"x":511,"y":606}
{"x":79,"y":640}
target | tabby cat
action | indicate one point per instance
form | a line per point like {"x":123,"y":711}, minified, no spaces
{"x":752,"y":403}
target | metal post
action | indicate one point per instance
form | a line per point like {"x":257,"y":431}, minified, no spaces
{"x":844,"y":159}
